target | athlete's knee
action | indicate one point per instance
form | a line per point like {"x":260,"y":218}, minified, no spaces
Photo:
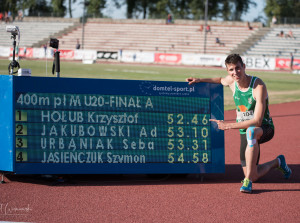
{"x":251,"y":139}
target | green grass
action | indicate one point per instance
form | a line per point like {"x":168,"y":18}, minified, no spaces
{"x":282,"y":86}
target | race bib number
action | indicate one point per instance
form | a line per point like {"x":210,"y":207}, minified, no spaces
{"x":244,"y":116}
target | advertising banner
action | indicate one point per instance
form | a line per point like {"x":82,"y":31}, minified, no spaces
{"x":107,"y":55}
{"x":259,"y":63}
{"x":23,"y":52}
{"x":90,"y":55}
{"x":202,"y":59}
{"x":136,"y":56}
{"x":167,"y":58}
{"x":43,"y":53}
{"x":283,"y":63}
{"x":66,"y":54}
{"x":4,"y":51}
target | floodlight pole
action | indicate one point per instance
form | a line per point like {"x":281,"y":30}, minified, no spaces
{"x":205,"y":24}
{"x":83,"y":19}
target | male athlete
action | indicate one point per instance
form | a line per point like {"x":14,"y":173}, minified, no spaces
{"x":253,"y":120}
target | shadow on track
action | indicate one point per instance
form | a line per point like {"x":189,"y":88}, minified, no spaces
{"x":233,"y":174}
{"x":255,"y":191}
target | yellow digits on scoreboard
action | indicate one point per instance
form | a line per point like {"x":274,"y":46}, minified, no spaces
{"x":204,"y":120}
{"x":181,"y":145}
{"x":195,"y":119}
{"x":171,"y":158}
{"x":181,"y":133}
{"x":205,"y":158}
{"x":171,"y":144}
{"x":21,"y":156}
{"x":21,"y":116}
{"x":195,"y":146}
{"x":195,"y":129}
{"x":195,"y":158}
{"x":180,"y":158}
{"x":21,"y":129}
{"x":204,"y":132}
{"x":205,"y":143}
{"x":170,"y":119}
{"x":180,"y":118}
{"x":170,"y":131}
{"x":21,"y":142}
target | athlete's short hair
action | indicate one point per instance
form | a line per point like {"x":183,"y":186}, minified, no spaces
{"x":234,"y":59}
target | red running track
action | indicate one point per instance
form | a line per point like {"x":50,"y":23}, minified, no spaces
{"x":136,"y":198}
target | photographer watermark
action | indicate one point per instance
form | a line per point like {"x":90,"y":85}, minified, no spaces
{"x":14,"y":209}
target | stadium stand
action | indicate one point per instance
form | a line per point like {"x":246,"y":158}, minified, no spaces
{"x":33,"y":34}
{"x":142,"y":35}
{"x":178,"y":38}
{"x":273,"y":44}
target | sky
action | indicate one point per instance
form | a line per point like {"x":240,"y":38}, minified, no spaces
{"x":255,"y":12}
{"x":121,"y":13}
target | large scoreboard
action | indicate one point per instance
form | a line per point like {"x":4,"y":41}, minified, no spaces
{"x":100,"y":126}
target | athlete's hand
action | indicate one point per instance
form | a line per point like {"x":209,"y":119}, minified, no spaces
{"x":193,"y":80}
{"x":221,"y":124}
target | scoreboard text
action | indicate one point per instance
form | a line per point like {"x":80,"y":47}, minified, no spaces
{"x":64,"y":125}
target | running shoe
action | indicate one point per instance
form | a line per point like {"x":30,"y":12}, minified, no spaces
{"x":247,"y":186}
{"x":284,"y":167}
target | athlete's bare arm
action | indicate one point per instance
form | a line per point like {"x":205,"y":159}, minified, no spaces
{"x":225,"y":81}
{"x":260,"y":95}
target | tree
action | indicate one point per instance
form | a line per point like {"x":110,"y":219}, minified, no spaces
{"x":135,"y":8}
{"x":297,"y":9}
{"x":35,"y":7}
{"x":9,"y":5}
{"x":186,"y":9}
{"x":131,"y":6}
{"x":59,"y":9}
{"x":241,"y":7}
{"x":70,"y":2}
{"x":198,"y":9}
{"x":95,"y":7}
{"x":160,"y":10}
{"x":226,"y":10}
{"x":282,"y":9}
{"x":178,"y":8}
{"x":145,"y":7}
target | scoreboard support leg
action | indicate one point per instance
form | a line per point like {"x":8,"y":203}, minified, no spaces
{"x":2,"y":178}
{"x":199,"y":176}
